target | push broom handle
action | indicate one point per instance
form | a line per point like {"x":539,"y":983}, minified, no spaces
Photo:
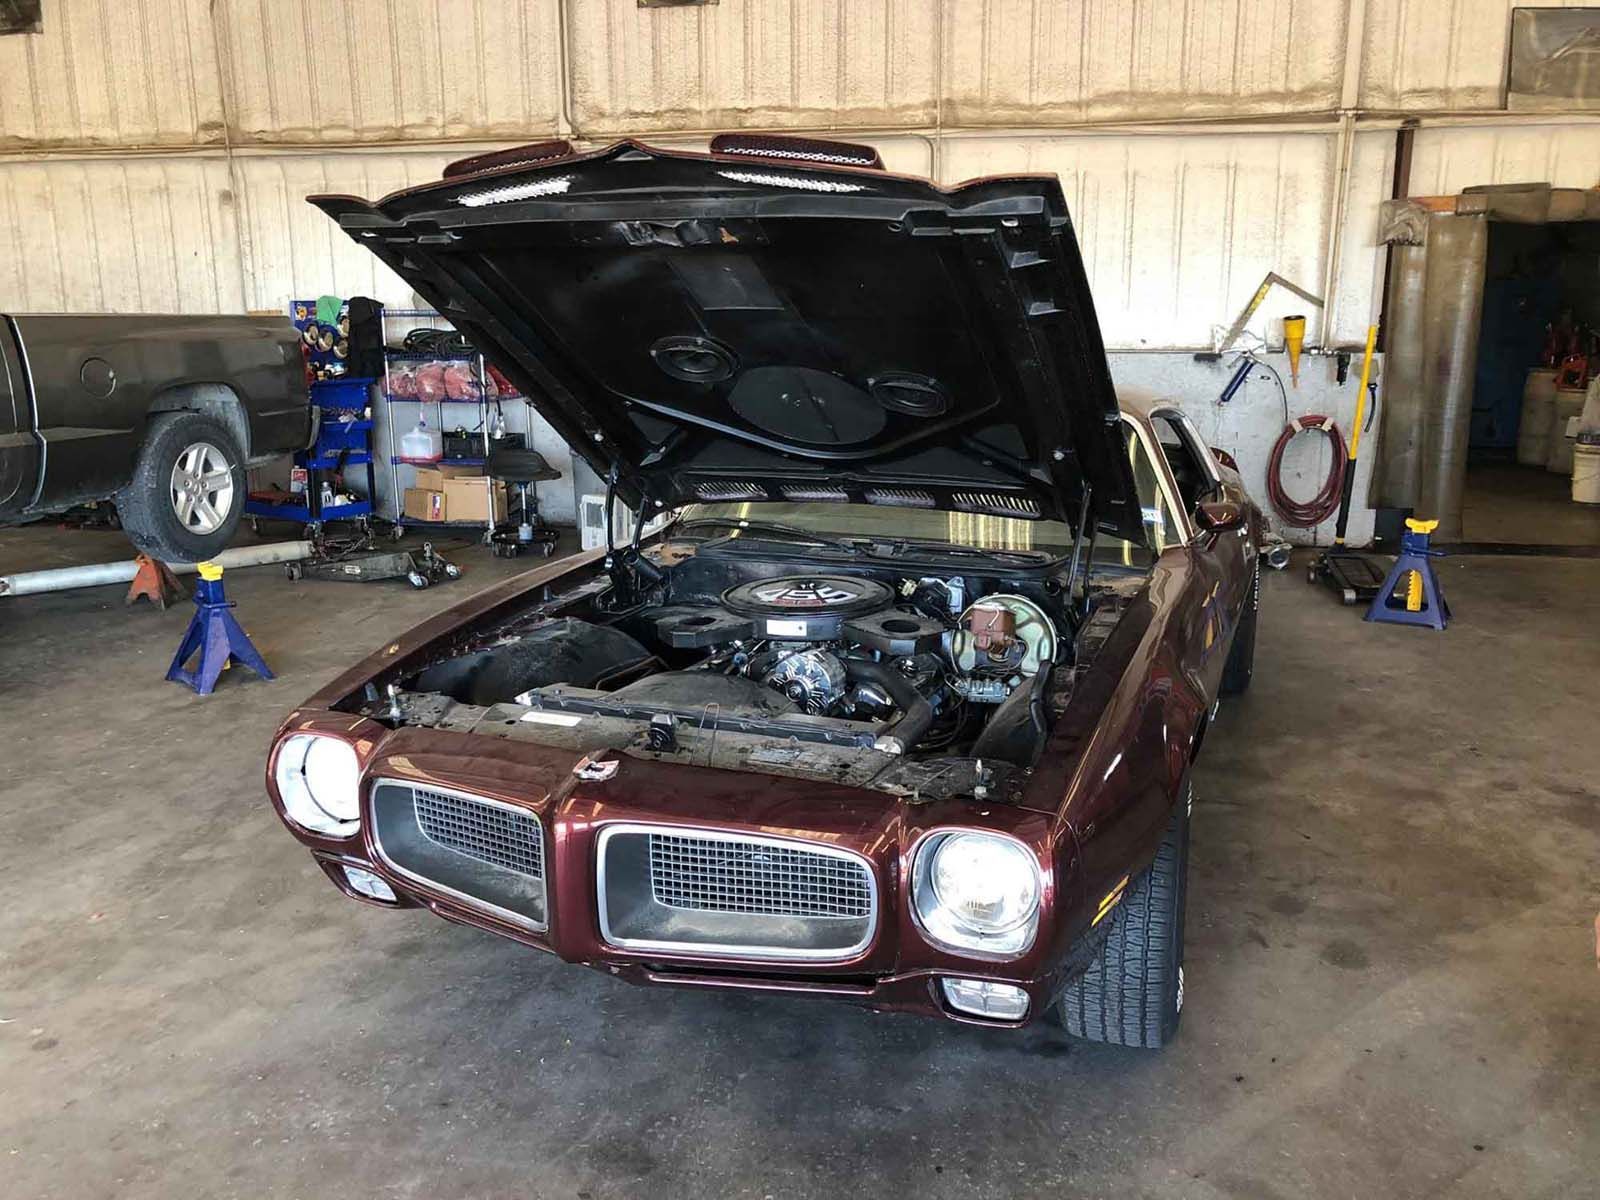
{"x":1355,"y":440}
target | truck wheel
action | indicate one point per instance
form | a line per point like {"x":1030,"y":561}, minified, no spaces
{"x":187,"y":493}
{"x":1132,"y":992}
{"x":1241,"y":664}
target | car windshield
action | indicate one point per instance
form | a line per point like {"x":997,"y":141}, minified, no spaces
{"x":937,"y":528}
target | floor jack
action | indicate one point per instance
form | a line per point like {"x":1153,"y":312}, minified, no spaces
{"x":357,"y":560}
{"x":1353,"y":577}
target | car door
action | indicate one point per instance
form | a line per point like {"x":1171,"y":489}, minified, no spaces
{"x":1225,"y":560}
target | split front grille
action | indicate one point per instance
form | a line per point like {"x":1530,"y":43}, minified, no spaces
{"x":484,"y":852}
{"x":711,"y":875}
{"x":707,"y":892}
{"x":482,"y":831}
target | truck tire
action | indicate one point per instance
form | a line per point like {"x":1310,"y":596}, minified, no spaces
{"x":188,"y":489}
{"x":1241,"y":664}
{"x":1132,"y":992}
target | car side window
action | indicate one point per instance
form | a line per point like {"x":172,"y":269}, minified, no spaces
{"x":1160,"y":523}
{"x":1189,"y":471}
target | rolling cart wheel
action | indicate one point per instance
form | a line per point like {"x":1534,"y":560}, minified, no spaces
{"x":255,"y":526}
{"x":294,"y":571}
{"x":1311,"y":573}
{"x":398,"y":532}
{"x":417,"y":579}
{"x":547,"y":550}
{"x":451,"y":571}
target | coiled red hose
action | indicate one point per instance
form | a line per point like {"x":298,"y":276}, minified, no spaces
{"x":1303,"y":514}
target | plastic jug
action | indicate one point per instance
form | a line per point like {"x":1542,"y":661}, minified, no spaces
{"x":422,"y":444}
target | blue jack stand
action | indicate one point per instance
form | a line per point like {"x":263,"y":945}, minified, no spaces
{"x":1423,"y":602}
{"x":216,"y":635}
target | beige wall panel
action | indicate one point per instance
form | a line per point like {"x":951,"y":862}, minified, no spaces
{"x":1051,"y":61}
{"x":111,"y":73}
{"x":1564,"y":154}
{"x":383,"y":70}
{"x":752,"y":64}
{"x":1177,"y":231}
{"x":1438,"y":54}
{"x":1361,"y":258}
{"x":119,"y":235}
{"x":294,"y":250}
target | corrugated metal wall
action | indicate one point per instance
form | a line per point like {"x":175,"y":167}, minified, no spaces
{"x":154,"y":154}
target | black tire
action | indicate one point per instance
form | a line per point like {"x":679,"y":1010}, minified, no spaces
{"x":147,"y":507}
{"x":1241,"y":664}
{"x":1132,"y":992}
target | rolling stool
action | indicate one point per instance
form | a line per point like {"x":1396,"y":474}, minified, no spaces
{"x":522,"y":469}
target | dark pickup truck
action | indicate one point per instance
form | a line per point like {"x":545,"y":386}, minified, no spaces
{"x":160,"y":414}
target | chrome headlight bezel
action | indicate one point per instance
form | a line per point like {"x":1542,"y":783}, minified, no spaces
{"x":950,"y":930}
{"x":318,"y":777}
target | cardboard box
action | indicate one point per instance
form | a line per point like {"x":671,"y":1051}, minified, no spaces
{"x":468,"y":499}
{"x":433,"y":478}
{"x":424,"y":504}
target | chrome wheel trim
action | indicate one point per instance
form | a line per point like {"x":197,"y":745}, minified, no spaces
{"x":202,"y":488}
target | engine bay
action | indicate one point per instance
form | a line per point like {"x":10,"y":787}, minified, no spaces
{"x":915,"y":683}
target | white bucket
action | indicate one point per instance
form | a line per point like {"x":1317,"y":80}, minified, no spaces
{"x":1558,"y":446}
{"x":1538,"y":410}
{"x":1586,"y":474}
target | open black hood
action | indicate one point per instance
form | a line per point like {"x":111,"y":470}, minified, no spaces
{"x":765,"y":323}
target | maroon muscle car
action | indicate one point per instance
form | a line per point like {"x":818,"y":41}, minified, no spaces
{"x":900,"y":708}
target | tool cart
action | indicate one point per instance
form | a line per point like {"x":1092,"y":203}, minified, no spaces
{"x":344,"y":441}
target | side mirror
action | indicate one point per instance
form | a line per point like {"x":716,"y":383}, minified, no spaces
{"x":1219,"y":516}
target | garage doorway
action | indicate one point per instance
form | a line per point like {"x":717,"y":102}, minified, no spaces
{"x":1476,"y":282}
{"x":1541,"y":295}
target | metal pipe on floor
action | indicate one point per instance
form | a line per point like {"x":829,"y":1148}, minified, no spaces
{"x":31,"y":583}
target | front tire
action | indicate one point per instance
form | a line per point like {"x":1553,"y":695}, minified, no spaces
{"x":187,"y":494}
{"x":1132,"y":992}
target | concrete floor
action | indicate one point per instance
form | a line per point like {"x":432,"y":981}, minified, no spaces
{"x":1392,"y":984}
{"x":1507,"y":502}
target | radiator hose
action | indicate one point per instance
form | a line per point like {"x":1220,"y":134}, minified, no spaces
{"x":916,"y":714}
{"x":1303,"y":514}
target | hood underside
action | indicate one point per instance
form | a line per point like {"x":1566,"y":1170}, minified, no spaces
{"x":745,"y":326}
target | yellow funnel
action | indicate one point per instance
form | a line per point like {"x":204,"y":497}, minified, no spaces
{"x":1294,"y":337}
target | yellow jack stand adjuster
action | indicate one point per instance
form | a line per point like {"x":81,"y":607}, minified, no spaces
{"x":209,"y":571}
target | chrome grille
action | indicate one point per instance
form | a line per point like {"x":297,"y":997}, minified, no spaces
{"x":485,"y":832}
{"x":487,"y":853}
{"x":709,"y":875}
{"x":702,"y":891}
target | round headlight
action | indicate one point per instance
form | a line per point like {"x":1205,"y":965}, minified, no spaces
{"x":977,"y":891}
{"x":317,"y":780}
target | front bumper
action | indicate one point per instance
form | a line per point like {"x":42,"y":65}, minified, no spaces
{"x":893,"y":968}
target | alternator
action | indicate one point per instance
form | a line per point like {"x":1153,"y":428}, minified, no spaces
{"x":813,"y":679}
